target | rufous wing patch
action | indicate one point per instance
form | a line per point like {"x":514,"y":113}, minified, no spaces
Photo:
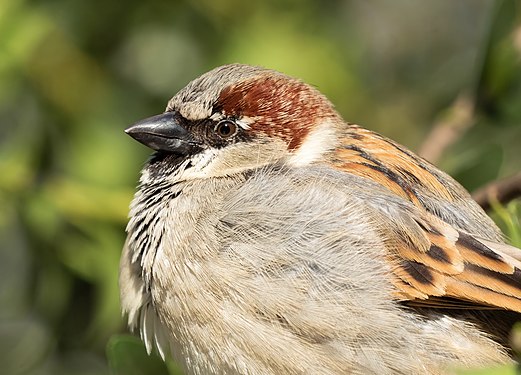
{"x":461,"y":268}
{"x":371,"y":155}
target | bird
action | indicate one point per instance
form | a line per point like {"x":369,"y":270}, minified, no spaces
{"x":269,"y":236}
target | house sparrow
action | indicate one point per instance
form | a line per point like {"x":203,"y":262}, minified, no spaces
{"x":268,"y":236}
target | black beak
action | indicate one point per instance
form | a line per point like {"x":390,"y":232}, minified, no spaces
{"x":163,"y":133}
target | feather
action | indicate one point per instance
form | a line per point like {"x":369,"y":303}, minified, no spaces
{"x":432,"y":256}
{"x":147,"y":326}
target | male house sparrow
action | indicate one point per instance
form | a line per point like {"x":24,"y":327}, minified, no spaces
{"x":268,"y":236}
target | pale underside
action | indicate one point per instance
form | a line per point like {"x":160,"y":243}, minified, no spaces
{"x":226,"y":255}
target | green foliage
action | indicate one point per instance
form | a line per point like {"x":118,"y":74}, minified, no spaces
{"x":127,"y":356}
{"x":501,"y":370}
{"x":74,"y":74}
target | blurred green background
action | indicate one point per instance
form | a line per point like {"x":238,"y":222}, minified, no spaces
{"x":74,"y":74}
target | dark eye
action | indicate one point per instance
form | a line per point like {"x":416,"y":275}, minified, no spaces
{"x":226,"y":129}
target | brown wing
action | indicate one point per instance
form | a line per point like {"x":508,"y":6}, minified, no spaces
{"x":455,"y":264}
{"x":435,"y":263}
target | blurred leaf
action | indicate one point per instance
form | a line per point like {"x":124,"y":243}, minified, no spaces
{"x":127,"y":356}
{"x":92,"y":252}
{"x":56,"y":53}
{"x":21,"y":29}
{"x":501,"y":63}
{"x":508,"y":218}
{"x":80,"y":201}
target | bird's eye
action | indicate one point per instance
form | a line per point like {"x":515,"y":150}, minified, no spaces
{"x":226,"y":129}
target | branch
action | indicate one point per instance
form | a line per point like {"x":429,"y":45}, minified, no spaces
{"x":502,"y":191}
{"x":447,"y":131}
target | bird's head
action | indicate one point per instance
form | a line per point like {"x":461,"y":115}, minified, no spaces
{"x":235,"y":118}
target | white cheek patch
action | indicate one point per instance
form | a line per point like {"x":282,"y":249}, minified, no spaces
{"x":199,"y":165}
{"x":203,"y":159}
{"x":319,"y":141}
{"x":234,"y":158}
